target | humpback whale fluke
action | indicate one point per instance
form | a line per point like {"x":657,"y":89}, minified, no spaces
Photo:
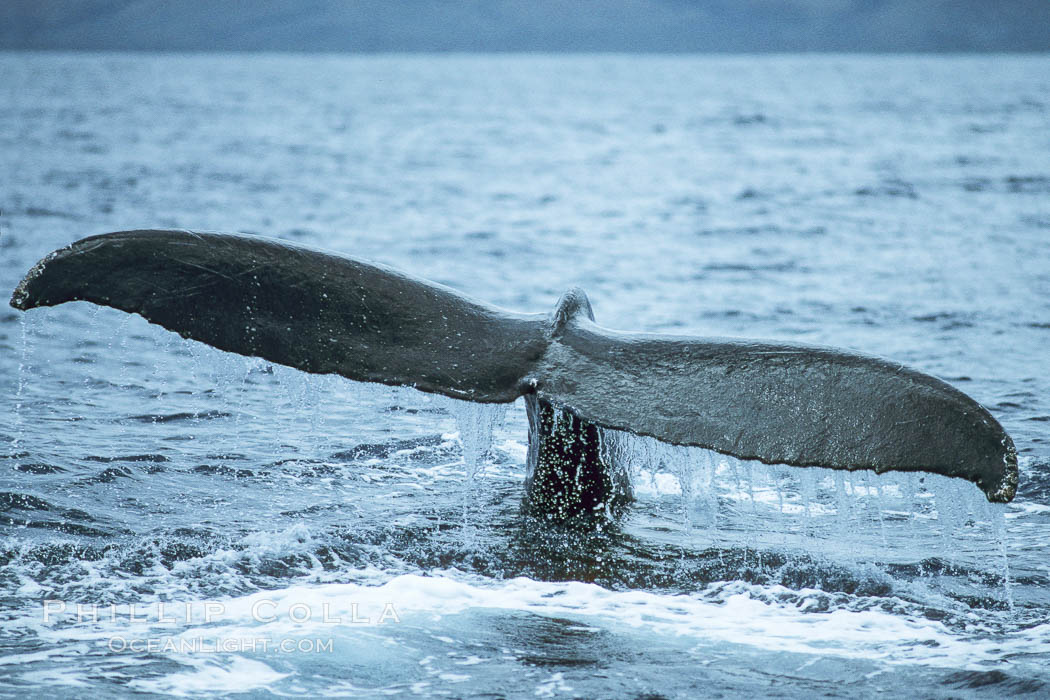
{"x":320,"y":312}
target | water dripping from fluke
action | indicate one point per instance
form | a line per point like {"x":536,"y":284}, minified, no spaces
{"x":890,"y":521}
{"x":476,"y":424}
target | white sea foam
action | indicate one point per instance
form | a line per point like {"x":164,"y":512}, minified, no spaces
{"x":766,"y":619}
{"x":238,"y":675}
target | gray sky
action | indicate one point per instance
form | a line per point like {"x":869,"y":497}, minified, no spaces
{"x":528,"y":25}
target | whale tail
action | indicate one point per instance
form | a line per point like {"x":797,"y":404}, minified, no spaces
{"x":326,"y":313}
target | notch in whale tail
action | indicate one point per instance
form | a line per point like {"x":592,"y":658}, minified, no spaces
{"x":326,"y":313}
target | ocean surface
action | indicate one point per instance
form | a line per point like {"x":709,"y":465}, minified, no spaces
{"x":177,"y":520}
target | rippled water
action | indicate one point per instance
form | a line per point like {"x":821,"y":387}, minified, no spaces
{"x":900,"y":206}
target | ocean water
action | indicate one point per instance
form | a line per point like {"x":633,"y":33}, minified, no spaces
{"x":231,"y":527}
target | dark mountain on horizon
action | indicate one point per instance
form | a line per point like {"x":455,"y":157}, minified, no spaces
{"x":533,"y":25}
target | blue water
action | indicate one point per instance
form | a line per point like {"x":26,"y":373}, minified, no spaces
{"x":899,"y":206}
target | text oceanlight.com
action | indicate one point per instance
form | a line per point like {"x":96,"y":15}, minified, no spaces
{"x":228,"y":645}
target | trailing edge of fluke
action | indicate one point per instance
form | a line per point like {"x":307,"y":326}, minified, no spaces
{"x":321,"y":312}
